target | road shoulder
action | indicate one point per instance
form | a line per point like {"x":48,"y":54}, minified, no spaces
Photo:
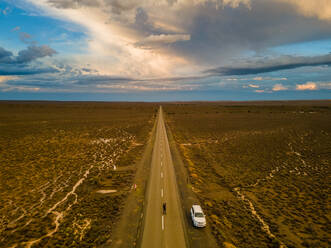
{"x":128,"y":231}
{"x":197,"y":238}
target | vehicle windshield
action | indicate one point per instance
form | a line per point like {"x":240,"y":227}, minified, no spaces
{"x":198,"y":214}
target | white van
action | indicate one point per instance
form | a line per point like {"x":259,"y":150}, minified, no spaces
{"x":198,"y":218}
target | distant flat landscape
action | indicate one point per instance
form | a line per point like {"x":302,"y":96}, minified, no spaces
{"x":57,"y":158}
{"x":260,"y":170}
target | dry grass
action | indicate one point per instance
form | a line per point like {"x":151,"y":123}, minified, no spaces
{"x":54,"y":159}
{"x":262,"y":172}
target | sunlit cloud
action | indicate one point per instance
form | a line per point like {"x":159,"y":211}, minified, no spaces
{"x":165,"y":36}
{"x":4,"y":79}
{"x":307,"y":86}
{"x":152,"y":88}
{"x":236,"y":3}
{"x":325,"y":85}
{"x":258,"y":78}
{"x":116,"y":44}
{"x":259,"y":91}
{"x":279,"y":87}
{"x":20,"y":88}
{"x":269,"y":78}
{"x":314,"y":86}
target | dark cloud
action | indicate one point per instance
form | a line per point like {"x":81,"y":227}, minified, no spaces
{"x":21,"y":64}
{"x":73,"y":4}
{"x":282,"y":63}
{"x":34,"y":81}
{"x":21,"y":71}
{"x":5,"y":56}
{"x":218,"y":31}
{"x":89,"y":70}
{"x":95,"y":83}
{"x":26,"y":55}
{"x":171,"y":2}
{"x":34,"y":52}
{"x":95,"y":79}
{"x":218,"y":34}
{"x":141,"y":18}
{"x":119,"y":6}
{"x":144,"y":26}
{"x":115,"y":6}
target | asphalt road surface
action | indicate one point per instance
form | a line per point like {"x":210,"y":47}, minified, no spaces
{"x":162,"y":229}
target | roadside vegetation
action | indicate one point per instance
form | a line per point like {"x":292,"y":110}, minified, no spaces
{"x":261,"y":172}
{"x":66,"y":170}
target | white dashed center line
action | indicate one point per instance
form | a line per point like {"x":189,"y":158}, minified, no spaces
{"x":162,"y":222}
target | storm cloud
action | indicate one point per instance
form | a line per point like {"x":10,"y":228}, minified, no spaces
{"x":26,"y":55}
{"x":172,"y":36}
{"x":5,"y":56}
{"x":23,"y":71}
{"x":282,"y":63}
{"x":65,"y":4}
{"x":151,"y":45}
{"x":218,"y":34}
{"x":21,"y":64}
{"x":33,"y":53}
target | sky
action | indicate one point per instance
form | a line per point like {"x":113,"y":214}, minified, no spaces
{"x":165,"y":50}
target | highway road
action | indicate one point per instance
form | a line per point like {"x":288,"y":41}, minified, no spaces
{"x":162,"y":230}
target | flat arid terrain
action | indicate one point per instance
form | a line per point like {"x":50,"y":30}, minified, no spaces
{"x":66,"y":170}
{"x":260,"y":170}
